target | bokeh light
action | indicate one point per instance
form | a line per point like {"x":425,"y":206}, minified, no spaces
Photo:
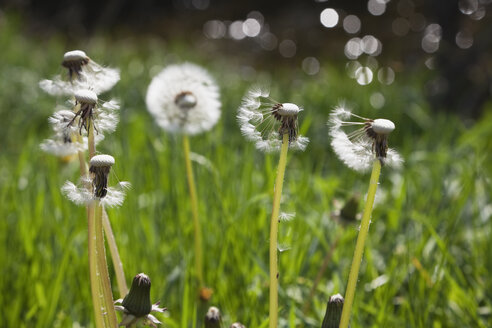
{"x":287,"y":48}
{"x":371,"y":45}
{"x":386,"y":75}
{"x":363,"y":75}
{"x":432,"y":37}
{"x":464,"y":39}
{"x":236,"y":30}
{"x":376,"y":7}
{"x":251,"y":27}
{"x":468,"y":7}
{"x":214,"y":29}
{"x":351,"y":24}
{"x":310,"y":66}
{"x":268,"y":41}
{"x":351,"y":67}
{"x":353,"y":48}
{"x":377,"y":100}
{"x":329,"y":17}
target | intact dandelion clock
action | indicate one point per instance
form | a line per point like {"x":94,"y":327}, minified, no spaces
{"x":265,"y":121}
{"x":184,"y":99}
{"x":272,"y":125}
{"x":81,"y":70}
{"x":360,"y":149}
{"x":98,"y":190}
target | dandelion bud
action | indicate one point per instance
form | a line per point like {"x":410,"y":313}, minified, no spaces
{"x":137,"y":301}
{"x":237,"y":325}
{"x":212,"y":318}
{"x":100,"y":165}
{"x":333,"y":312}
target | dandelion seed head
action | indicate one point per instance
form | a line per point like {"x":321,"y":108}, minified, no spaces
{"x":82,"y":72}
{"x":86,"y":96}
{"x":359,"y":148}
{"x":102,"y":161}
{"x":264,"y":121}
{"x":289,"y":109}
{"x":77,"y":56}
{"x":383,"y":126}
{"x":184,"y":99}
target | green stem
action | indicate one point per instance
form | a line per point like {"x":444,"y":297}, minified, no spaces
{"x":194,"y":210}
{"x":113,"y":248}
{"x":115,"y":255}
{"x":274,"y":232}
{"x":93,"y":270}
{"x":107,"y":307}
{"x":90,"y":138}
{"x":359,"y":246}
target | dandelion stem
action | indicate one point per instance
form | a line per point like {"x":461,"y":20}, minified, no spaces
{"x":93,"y":270}
{"x":107,"y":307}
{"x":90,"y":138}
{"x":115,"y":255}
{"x":359,"y":247}
{"x":274,"y":232}
{"x":194,"y":210}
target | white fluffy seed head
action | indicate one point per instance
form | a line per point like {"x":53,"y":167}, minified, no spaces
{"x":74,"y":55}
{"x":383,"y":126}
{"x":184,"y":99}
{"x":86,"y":96}
{"x":102,"y":160}
{"x":289,"y":109}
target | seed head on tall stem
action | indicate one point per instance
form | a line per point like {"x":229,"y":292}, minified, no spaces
{"x":272,"y":126}
{"x":184,"y":99}
{"x":359,"y":150}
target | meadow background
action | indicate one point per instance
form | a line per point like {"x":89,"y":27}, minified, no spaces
{"x":427,"y":261}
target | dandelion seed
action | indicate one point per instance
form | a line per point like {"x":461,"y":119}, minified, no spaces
{"x":81,"y":71}
{"x":184,"y":99}
{"x":359,"y":148}
{"x":136,"y":306}
{"x":264,"y":121}
{"x":283,"y":216}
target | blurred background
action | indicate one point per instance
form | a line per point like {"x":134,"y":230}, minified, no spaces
{"x":424,"y":64}
{"x":377,"y":41}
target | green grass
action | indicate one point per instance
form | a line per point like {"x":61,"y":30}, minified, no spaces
{"x":436,"y":211}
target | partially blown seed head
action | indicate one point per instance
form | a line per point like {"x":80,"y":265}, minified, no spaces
{"x":264,"y":121}
{"x":359,"y":148}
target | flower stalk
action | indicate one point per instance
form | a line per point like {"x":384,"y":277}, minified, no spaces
{"x":107,"y":308}
{"x":194,"y":209}
{"x":359,"y":247}
{"x":274,"y":232}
